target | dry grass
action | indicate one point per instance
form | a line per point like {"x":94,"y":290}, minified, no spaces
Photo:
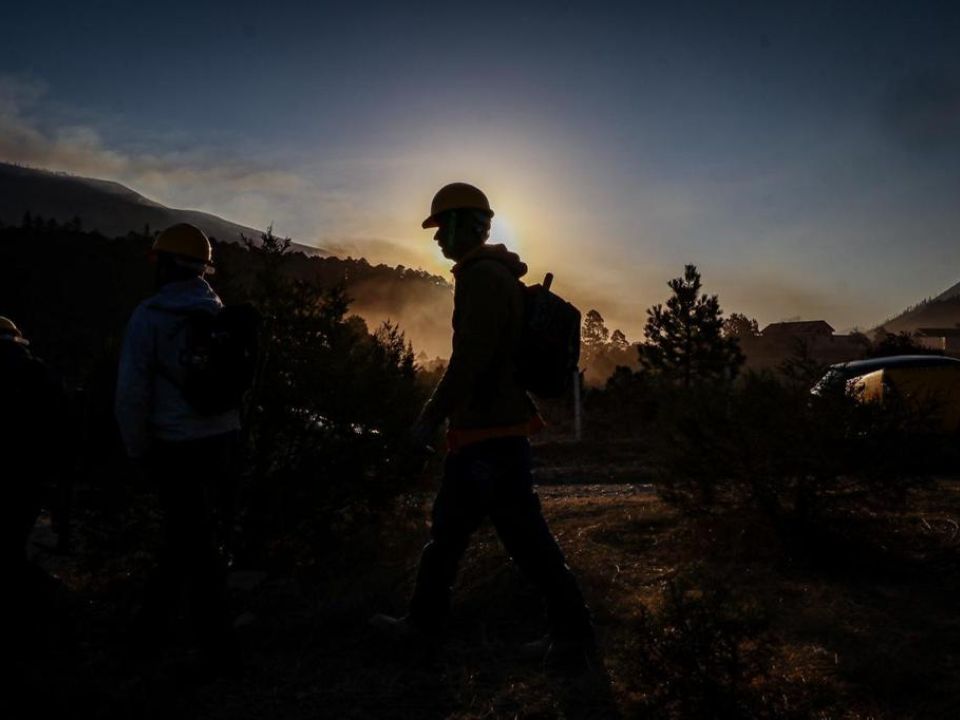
{"x":856,"y":620}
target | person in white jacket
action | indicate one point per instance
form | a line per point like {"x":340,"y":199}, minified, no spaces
{"x":186,"y":455}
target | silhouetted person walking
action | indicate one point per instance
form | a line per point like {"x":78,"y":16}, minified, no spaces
{"x":184,"y":448}
{"x":487,"y":471}
{"x":32,"y":417}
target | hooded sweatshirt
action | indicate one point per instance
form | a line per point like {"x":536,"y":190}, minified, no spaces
{"x":149,"y":403}
{"x":479,"y":393}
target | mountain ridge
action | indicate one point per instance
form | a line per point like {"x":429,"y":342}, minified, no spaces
{"x":951,"y":292}
{"x":107,"y":206}
{"x":938,"y":311}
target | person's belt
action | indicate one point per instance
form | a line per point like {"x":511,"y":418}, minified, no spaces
{"x":458,"y":438}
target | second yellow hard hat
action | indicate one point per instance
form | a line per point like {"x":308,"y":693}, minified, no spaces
{"x":185,"y":241}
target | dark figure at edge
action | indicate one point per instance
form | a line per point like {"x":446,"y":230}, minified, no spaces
{"x":35,"y":440}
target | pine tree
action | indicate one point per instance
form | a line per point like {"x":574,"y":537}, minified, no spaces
{"x":595,"y":333}
{"x":739,"y":325}
{"x":685,"y":340}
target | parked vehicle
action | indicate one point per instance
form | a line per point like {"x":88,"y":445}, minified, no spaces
{"x":926,"y":385}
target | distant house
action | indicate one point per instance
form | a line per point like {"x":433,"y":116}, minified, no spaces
{"x":815,"y":338}
{"x":801,"y":329}
{"x":942,"y":339}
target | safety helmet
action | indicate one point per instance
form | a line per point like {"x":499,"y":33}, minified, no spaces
{"x":185,"y":242}
{"x":10,"y":331}
{"x":457,"y":196}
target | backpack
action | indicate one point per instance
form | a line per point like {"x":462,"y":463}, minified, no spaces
{"x":219,"y":359}
{"x":549,"y":351}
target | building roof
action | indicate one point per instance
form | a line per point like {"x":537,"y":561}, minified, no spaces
{"x":800,"y":327}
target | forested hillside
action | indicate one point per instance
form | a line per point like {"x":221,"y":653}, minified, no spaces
{"x":72,"y":290}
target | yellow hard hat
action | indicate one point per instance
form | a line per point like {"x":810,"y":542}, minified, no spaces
{"x":457,"y":196}
{"x":10,"y":331}
{"x":185,"y":241}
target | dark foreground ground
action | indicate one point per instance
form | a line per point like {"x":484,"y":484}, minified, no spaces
{"x":711,"y":617}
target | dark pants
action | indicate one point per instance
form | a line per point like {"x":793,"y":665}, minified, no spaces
{"x":492,"y":479}
{"x":195,"y":479}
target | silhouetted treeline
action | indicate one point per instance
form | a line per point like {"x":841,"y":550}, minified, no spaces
{"x":603,"y":351}
{"x":72,"y":290}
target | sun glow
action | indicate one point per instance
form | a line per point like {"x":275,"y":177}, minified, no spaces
{"x":504,"y":231}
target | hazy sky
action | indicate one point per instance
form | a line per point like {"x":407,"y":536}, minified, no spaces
{"x":805,"y":155}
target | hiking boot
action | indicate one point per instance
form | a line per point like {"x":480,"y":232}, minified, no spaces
{"x":406,"y":633}
{"x":396,"y":628}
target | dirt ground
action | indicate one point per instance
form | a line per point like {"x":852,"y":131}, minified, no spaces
{"x":838,"y":629}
